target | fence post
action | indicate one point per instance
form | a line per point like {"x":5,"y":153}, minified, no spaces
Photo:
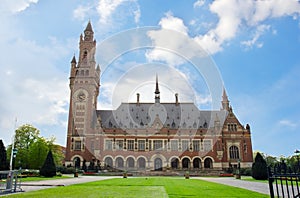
{"x":271,"y":180}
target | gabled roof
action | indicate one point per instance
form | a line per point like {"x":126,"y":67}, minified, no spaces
{"x":142,"y":115}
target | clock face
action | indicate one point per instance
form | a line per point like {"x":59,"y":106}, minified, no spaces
{"x":81,"y":96}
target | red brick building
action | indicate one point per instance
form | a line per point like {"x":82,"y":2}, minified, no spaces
{"x":148,"y":136}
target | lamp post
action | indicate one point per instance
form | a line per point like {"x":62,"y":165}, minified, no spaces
{"x":238,"y":174}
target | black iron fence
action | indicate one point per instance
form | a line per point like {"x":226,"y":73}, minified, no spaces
{"x":284,"y":181}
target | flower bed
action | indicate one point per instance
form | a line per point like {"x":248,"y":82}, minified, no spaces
{"x":226,"y":175}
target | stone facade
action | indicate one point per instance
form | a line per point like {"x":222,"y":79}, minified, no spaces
{"x":148,"y":136}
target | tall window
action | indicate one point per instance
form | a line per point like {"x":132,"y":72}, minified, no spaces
{"x":77,"y":145}
{"x":196,"y":145}
{"x":207,"y":145}
{"x":130,"y":145}
{"x":232,"y":127}
{"x":119,"y":144}
{"x":141,"y":145}
{"x":108,"y":144}
{"x":174,"y":145}
{"x":234,"y":152}
{"x":157,"y":144}
{"x":185,"y":145}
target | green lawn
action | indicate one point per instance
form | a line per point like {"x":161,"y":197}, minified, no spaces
{"x":154,"y":187}
{"x":249,"y":178}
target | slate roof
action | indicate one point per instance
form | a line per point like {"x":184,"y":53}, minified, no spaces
{"x":143,"y":115}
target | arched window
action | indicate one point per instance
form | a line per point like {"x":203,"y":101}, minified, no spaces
{"x":234,"y":152}
{"x":119,"y":162}
{"x":84,"y":54}
{"x":185,"y":163}
{"x":130,"y":162}
{"x":142,"y":163}
{"x":108,"y":162}
{"x":174,"y":163}
{"x":197,"y":163}
{"x":208,"y":163}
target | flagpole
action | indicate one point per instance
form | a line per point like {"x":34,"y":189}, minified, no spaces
{"x":12,"y":147}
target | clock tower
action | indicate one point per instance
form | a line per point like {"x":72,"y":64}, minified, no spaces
{"x":84,"y":91}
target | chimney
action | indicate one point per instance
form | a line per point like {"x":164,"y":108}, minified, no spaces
{"x":176,"y":99}
{"x":137,"y":99}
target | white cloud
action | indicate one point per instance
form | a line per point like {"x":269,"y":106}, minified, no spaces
{"x":199,"y":3}
{"x":81,"y":11}
{"x":106,"y":8}
{"x":288,"y":123}
{"x":235,"y":14}
{"x":261,"y":29}
{"x":173,"y":23}
{"x":141,"y":79}
{"x":164,"y":37}
{"x":14,"y":6}
{"x":137,"y":15}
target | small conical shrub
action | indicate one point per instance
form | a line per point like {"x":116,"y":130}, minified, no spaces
{"x":49,"y":168}
{"x":259,"y":168}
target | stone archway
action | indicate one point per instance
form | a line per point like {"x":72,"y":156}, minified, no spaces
{"x":76,"y":161}
{"x":141,"y":163}
{"x":119,"y":163}
{"x":158,"y":164}
{"x":185,"y":163}
{"x":196,"y":163}
{"x":108,"y":162}
{"x":208,"y":163}
{"x":174,"y":163}
{"x":130,"y":163}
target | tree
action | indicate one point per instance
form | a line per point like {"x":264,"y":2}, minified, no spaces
{"x":49,"y":168}
{"x":25,"y":136}
{"x":259,"y":168}
{"x":3,"y":159}
{"x":57,"y":152}
{"x":37,"y":153}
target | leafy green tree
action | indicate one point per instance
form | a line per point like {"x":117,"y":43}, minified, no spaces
{"x":49,"y":168}
{"x":37,"y":153}
{"x":25,"y":136}
{"x":3,"y":158}
{"x":259,"y":168}
{"x":271,"y":160}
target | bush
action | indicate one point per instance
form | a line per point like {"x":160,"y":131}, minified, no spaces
{"x":246,"y":171}
{"x":49,"y":168}
{"x":259,"y":168}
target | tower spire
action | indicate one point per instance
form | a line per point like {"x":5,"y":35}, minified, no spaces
{"x":157,"y":92}
{"x":225,"y":101}
{"x":88,"y":32}
{"x":89,"y":27}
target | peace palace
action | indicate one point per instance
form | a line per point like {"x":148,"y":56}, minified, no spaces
{"x":156,"y":136}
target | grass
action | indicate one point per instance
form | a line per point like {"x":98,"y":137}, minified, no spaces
{"x":249,"y":178}
{"x":154,"y":187}
{"x":284,"y":182}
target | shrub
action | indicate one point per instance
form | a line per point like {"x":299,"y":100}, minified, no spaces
{"x":49,"y":168}
{"x":259,"y":168}
{"x":246,"y":171}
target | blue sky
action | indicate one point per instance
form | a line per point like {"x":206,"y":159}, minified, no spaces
{"x":254,"y":44}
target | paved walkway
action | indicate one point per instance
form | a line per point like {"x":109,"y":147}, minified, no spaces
{"x":231,"y":181}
